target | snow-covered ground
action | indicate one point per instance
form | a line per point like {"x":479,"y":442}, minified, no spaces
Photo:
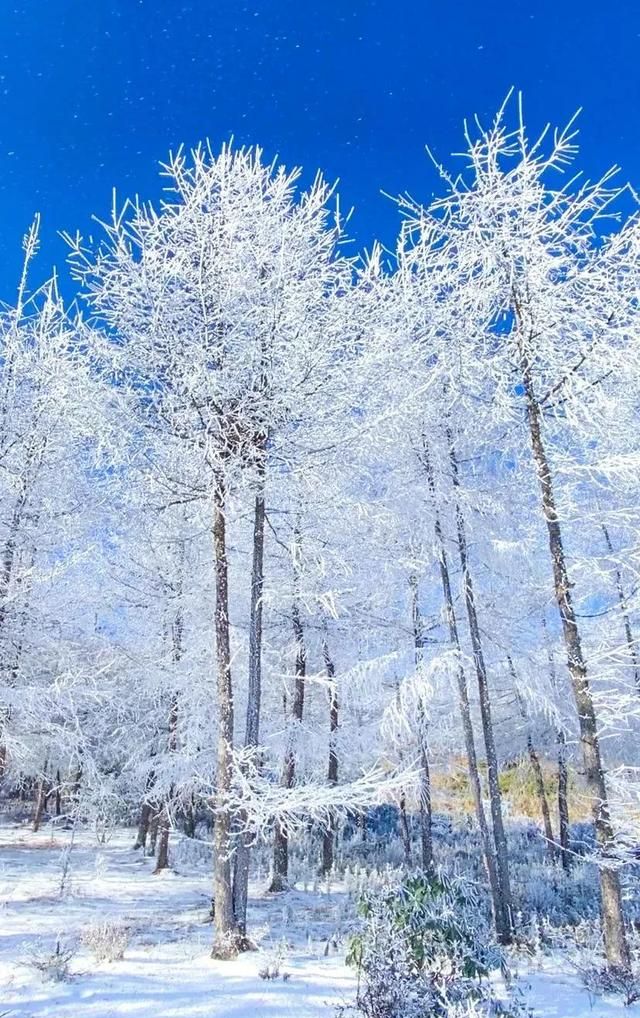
{"x":166,"y":971}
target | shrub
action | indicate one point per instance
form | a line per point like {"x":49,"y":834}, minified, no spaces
{"x":106,"y":940}
{"x":424,"y":947}
{"x":52,"y":965}
{"x":620,"y":982}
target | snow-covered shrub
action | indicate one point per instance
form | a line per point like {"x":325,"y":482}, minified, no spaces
{"x":603,"y":979}
{"x":106,"y":940}
{"x":52,"y":965}
{"x":424,"y":947}
{"x":565,"y":899}
{"x":275,"y":961}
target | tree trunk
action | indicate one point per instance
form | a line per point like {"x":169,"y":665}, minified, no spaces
{"x":9,"y":553}
{"x":426,"y":832}
{"x":626,"y":621}
{"x":224,"y":945}
{"x":164,"y":816}
{"x":500,"y":915}
{"x":41,"y":798}
{"x":146,"y":810}
{"x":280,"y":876}
{"x":11,"y":679}
{"x":190,"y":819}
{"x":612,"y":916}
{"x":405,"y":830}
{"x":536,"y":767}
{"x":563,"y":776}
{"x":252,"y":729}
{"x":143,"y":826}
{"x":563,"y":802}
{"x":328,"y":840}
{"x":41,"y":802}
{"x":58,"y":794}
{"x":162,"y":850}
{"x":495,"y":798}
{"x":164,"y":822}
{"x":33,"y":457}
{"x":154,"y":824}
{"x":77,"y":782}
{"x":361,"y":822}
{"x":542,"y":795}
{"x":7,"y":563}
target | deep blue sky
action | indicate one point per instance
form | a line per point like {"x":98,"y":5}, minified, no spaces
{"x":93,"y":93}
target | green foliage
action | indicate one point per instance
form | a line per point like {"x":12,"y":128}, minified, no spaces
{"x":424,"y":947}
{"x":431,"y":912}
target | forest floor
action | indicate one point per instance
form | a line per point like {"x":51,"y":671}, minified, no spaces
{"x":50,"y":894}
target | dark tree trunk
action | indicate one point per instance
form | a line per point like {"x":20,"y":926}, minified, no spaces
{"x":77,"y":782}
{"x":405,"y":830}
{"x":362,"y":824}
{"x":190,"y":819}
{"x":177,"y":630}
{"x":563,"y":802}
{"x":58,"y":794}
{"x":146,"y":811}
{"x":162,"y":849}
{"x":501,"y":918}
{"x":328,"y":839}
{"x":536,"y":767}
{"x":225,"y":938}
{"x":615,"y":939}
{"x":626,"y":621}
{"x":164,"y":816}
{"x":41,"y":802}
{"x":280,"y":875}
{"x":563,"y":776}
{"x":426,"y":827}
{"x":281,"y":837}
{"x":42,"y":795}
{"x":542,"y":795}
{"x":154,"y":824}
{"x":143,"y":826}
{"x":252,"y":729}
{"x":495,"y":798}
{"x":426,"y":832}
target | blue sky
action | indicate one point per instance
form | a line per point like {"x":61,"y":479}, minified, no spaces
{"x":93,"y":93}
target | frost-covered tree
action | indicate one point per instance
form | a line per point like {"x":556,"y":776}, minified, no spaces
{"x":534,"y":340}
{"x":222,"y":302}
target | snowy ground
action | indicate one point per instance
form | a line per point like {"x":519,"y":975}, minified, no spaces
{"x":166,"y":971}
